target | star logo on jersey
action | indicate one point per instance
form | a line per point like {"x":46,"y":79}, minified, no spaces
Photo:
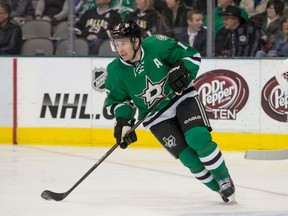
{"x":170,"y":142}
{"x":153,"y":91}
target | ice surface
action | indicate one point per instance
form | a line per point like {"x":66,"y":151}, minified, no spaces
{"x":132,"y":182}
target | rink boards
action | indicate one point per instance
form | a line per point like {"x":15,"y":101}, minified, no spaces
{"x":60,"y":100}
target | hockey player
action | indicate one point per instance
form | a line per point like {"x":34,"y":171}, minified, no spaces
{"x":148,"y":70}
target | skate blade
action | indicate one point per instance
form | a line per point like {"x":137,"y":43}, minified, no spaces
{"x":230,"y":200}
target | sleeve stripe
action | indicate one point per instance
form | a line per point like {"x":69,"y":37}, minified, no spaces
{"x":195,"y":59}
{"x":111,"y":109}
{"x":125,"y":103}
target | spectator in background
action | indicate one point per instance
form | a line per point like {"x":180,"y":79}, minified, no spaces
{"x":266,"y":46}
{"x":221,"y":7}
{"x":146,"y":17}
{"x":195,"y":35}
{"x":53,"y":11}
{"x":237,"y":37}
{"x":21,"y":10}
{"x":198,"y":4}
{"x":280,"y":39}
{"x":270,"y":19}
{"x":83,"y":5}
{"x":160,"y":5}
{"x":123,"y":7}
{"x":95,"y":24}
{"x":237,"y":2}
{"x":253,"y":7}
{"x":10,"y":33}
{"x":173,"y":18}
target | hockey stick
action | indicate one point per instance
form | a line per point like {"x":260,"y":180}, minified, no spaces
{"x":267,"y":154}
{"x":49,"y":195}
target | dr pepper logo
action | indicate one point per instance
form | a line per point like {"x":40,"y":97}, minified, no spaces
{"x":274,"y":102}
{"x":223,"y":92}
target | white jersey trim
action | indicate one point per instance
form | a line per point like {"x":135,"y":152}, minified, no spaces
{"x":169,"y":113}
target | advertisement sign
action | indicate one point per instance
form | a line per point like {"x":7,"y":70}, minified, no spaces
{"x":229,"y":90}
{"x":240,"y":96}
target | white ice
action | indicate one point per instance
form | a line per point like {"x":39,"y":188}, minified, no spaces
{"x":132,"y":182}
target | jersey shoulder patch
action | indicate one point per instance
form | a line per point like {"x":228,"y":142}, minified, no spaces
{"x":157,"y":41}
{"x":161,"y":37}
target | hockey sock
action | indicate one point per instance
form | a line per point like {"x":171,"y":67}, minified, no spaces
{"x":199,"y":139}
{"x":190,"y":159}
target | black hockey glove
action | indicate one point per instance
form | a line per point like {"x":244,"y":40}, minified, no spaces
{"x":177,"y":77}
{"x":122,"y":126}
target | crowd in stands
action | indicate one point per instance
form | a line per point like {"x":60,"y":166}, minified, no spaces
{"x":242,"y":28}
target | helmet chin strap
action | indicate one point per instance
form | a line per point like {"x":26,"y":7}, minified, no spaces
{"x":135,"y":51}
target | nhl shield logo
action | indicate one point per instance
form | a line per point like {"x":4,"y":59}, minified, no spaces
{"x":99,"y":76}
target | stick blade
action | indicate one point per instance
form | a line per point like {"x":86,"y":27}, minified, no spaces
{"x":49,"y":195}
{"x":267,"y":154}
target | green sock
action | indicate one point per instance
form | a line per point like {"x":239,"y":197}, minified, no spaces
{"x":199,"y":139}
{"x":189,"y":158}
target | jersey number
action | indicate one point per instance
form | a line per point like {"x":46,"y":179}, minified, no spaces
{"x":182,"y":45}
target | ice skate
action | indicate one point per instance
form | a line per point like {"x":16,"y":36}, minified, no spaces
{"x":227,"y":190}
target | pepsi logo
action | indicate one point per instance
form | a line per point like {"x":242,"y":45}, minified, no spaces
{"x":274,"y":102}
{"x":223,"y":93}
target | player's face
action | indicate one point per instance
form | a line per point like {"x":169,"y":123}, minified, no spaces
{"x":124,"y":47}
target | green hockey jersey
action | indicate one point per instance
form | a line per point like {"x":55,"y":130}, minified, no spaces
{"x":146,"y":81}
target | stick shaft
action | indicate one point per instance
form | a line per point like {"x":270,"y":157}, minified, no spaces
{"x":92,"y":168}
{"x":136,"y":125}
{"x":60,"y":196}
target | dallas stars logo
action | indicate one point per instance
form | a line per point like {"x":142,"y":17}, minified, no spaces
{"x":170,"y":142}
{"x":139,"y":68}
{"x":153,"y":91}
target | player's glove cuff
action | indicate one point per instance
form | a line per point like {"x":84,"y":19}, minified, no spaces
{"x":123,"y":125}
